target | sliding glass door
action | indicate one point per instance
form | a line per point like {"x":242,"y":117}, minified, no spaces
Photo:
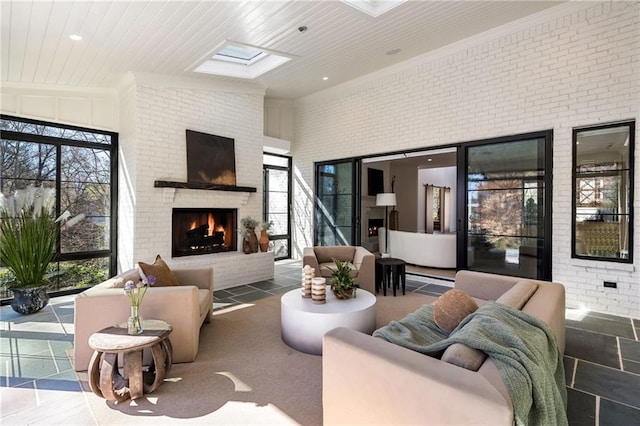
{"x":336,"y":221}
{"x":508,"y":198}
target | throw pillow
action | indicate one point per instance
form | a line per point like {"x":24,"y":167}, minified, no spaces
{"x":451,"y":308}
{"x":160,"y":270}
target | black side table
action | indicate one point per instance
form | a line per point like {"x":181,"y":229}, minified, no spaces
{"x":390,"y":271}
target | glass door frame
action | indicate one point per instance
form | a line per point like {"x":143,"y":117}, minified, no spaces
{"x":265,"y":199}
{"x":356,"y":170}
{"x":463,"y":208}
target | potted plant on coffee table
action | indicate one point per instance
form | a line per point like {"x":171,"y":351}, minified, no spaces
{"x":342,"y":281}
{"x":28,"y":234}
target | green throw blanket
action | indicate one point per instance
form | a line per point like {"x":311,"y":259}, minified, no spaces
{"x":523,"y":348}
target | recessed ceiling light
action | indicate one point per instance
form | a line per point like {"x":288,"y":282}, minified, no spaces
{"x":75,"y":37}
{"x":374,"y":8}
{"x":393,"y":52}
{"x":429,"y":159}
{"x":325,"y":78}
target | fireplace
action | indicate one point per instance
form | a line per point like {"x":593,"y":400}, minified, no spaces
{"x":203,"y":230}
{"x":374,"y":225}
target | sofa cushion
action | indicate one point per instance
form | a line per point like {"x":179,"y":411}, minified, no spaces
{"x":331,"y":267}
{"x":451,"y":308}
{"x":342,"y":253}
{"x":204,"y":300}
{"x":160,"y":270}
{"x":518,"y":295}
{"x":327,"y":268}
{"x":463,"y":356}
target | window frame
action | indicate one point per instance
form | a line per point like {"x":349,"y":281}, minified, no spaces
{"x":59,"y":143}
{"x":265,"y":198}
{"x":545,"y":186}
{"x":630,"y":197}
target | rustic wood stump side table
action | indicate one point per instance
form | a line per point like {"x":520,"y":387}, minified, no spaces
{"x":104,"y":375}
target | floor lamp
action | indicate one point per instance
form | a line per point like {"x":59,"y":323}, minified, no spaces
{"x":386,"y":199}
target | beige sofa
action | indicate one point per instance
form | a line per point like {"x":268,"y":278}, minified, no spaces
{"x":367,"y":380}
{"x":364,"y":262}
{"x":186,"y":307}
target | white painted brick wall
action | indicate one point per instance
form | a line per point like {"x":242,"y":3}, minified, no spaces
{"x":156,"y":150}
{"x":576,"y":65}
{"x":126,"y":177}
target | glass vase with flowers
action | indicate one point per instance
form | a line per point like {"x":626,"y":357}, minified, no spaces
{"x":136,"y":292}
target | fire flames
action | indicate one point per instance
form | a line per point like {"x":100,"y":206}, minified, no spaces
{"x":203,"y":231}
{"x":212,"y":225}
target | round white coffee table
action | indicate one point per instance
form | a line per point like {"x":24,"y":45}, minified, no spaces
{"x":304,"y":323}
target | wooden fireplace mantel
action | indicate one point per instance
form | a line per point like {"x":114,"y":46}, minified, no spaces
{"x":202,"y":186}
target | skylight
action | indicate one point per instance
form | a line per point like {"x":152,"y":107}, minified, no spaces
{"x":234,"y":59}
{"x":239,"y":54}
{"x":374,"y":8}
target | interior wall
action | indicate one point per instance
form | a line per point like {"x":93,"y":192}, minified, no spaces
{"x":126,"y":175}
{"x":368,"y":208}
{"x":406,"y":200}
{"x":150,"y":114}
{"x":165,"y":108}
{"x":574,"y":65}
{"x":278,"y":119}
{"x":92,"y":108}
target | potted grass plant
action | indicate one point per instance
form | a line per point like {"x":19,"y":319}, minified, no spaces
{"x":28,"y":234}
{"x":342,"y":281}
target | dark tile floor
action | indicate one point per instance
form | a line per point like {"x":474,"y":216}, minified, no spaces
{"x":287,"y":277}
{"x":602,"y":366}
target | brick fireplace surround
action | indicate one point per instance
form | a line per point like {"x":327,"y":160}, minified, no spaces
{"x":154,"y":115}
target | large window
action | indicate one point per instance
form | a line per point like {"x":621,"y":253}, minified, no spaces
{"x":336,"y":203}
{"x":603,"y":188}
{"x":80,"y":164}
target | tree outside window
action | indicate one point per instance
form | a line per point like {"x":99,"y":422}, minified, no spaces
{"x":77,"y":164}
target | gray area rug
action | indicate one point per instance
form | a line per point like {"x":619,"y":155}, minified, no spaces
{"x":244,"y":374}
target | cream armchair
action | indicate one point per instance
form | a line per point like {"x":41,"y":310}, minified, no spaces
{"x":321,"y":259}
{"x":186,"y":307}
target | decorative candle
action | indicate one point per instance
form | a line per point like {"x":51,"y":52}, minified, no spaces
{"x":307,"y":275}
{"x":319,"y":290}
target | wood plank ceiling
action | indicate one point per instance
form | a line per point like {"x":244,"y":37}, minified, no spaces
{"x":167,"y":37}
